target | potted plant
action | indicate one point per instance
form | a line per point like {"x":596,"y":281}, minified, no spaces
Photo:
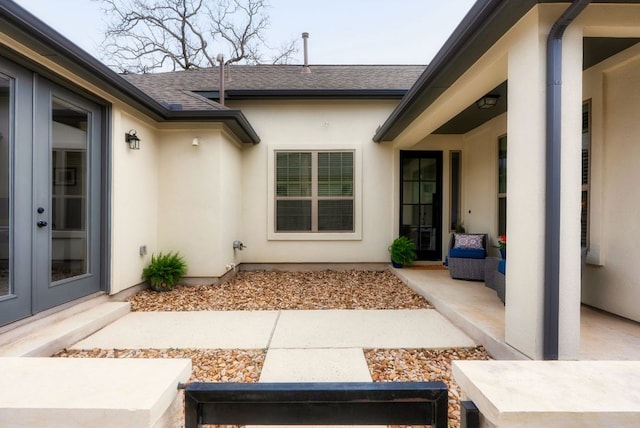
{"x":502,"y":243}
{"x":403,"y":251}
{"x":164,"y":271}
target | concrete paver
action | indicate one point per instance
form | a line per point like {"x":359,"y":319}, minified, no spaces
{"x":424,"y":328}
{"x":566,"y":394}
{"x":203,"y":329}
{"x":315,"y":365}
{"x":85,"y":392}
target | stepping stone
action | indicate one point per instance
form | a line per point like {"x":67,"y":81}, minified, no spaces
{"x":91,"y":392}
{"x":424,"y":328}
{"x":315,"y":365}
{"x":200,"y":329}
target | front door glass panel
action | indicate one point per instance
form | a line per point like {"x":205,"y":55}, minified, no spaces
{"x":5,"y":185}
{"x":68,"y":191}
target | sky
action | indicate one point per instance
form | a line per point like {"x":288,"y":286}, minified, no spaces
{"x":340,"y":31}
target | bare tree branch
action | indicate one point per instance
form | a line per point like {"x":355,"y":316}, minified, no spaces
{"x":148,"y":35}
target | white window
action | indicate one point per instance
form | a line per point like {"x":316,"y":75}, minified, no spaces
{"x":314,"y":191}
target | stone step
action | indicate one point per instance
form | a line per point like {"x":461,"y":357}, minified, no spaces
{"x":91,"y":392}
{"x":49,"y":335}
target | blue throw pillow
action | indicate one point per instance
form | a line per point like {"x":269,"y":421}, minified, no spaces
{"x":467,"y":253}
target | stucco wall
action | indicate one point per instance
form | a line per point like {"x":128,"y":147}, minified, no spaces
{"x":319,"y":125}
{"x":611,"y":281}
{"x":134,"y":200}
{"x":199,"y":198}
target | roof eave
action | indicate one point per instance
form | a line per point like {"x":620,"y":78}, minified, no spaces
{"x":35,"y":34}
{"x":265,"y":94}
{"x":483,"y":25}
{"x":235,"y":120}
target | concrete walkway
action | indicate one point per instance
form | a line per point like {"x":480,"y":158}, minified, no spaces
{"x":309,"y":346}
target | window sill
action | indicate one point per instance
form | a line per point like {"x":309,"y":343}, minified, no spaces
{"x":331,"y":236}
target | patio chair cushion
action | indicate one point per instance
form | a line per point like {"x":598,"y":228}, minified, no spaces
{"x":468,"y":253}
{"x":466,"y":240}
{"x":502,"y":266}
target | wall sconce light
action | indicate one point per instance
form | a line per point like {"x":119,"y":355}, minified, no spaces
{"x":132,"y":140}
{"x":195,"y":142}
{"x":488,"y":101}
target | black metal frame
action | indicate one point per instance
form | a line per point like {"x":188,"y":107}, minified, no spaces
{"x":358,"y":403}
{"x":469,"y":415}
{"x":436,"y":205}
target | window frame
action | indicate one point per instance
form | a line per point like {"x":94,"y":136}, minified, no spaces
{"x":585,"y":187}
{"x":501,"y":195}
{"x":455,"y":191}
{"x":314,"y":234}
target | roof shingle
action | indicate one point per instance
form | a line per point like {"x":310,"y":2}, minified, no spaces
{"x":178,"y":87}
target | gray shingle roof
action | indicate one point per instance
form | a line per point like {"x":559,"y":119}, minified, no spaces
{"x":177,"y":87}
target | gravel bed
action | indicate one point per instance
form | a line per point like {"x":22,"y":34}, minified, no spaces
{"x":298,"y":290}
{"x":253,"y":291}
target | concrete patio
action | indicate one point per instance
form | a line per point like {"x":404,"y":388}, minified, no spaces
{"x":477,"y":311}
{"x":302,"y":345}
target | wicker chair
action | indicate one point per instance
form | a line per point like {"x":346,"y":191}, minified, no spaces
{"x":467,"y":263}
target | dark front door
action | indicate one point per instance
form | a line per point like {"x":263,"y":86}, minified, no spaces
{"x":50,"y":194}
{"x":421,"y":201}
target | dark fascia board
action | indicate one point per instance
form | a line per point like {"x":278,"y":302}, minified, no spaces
{"x":484,"y":24}
{"x":379,"y":94}
{"x":35,"y":34}
{"x":234,"y":119}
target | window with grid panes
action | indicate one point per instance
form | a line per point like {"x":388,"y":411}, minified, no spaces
{"x":314,"y":191}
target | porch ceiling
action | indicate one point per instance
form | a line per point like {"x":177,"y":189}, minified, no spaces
{"x":595,"y":50}
{"x":485,"y":23}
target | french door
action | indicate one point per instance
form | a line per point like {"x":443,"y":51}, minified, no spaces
{"x":421,"y":201}
{"x":50,"y":194}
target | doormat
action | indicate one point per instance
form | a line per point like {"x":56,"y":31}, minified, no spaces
{"x":427,"y":267}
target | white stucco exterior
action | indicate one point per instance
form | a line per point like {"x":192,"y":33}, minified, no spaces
{"x":318,"y":125}
{"x":172,"y":195}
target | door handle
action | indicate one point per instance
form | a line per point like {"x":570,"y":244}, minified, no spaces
{"x":41,"y":223}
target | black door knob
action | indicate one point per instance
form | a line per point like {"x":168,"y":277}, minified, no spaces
{"x":41,"y":223}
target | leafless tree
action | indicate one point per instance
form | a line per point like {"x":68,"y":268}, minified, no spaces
{"x":148,"y":35}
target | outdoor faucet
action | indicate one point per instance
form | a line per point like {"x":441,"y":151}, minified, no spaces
{"x":238,"y":245}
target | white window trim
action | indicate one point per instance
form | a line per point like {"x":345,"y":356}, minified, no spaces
{"x":356,"y":235}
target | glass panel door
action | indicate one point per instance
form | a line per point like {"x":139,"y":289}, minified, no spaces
{"x":69,"y":191}
{"x":421,"y":202}
{"x":67,"y":201}
{"x":16,"y":109}
{"x":5,"y":187}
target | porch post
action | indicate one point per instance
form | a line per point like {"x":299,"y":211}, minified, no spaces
{"x":526,"y":189}
{"x":570,"y":201}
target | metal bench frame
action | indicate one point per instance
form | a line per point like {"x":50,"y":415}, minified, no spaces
{"x":361,"y":403}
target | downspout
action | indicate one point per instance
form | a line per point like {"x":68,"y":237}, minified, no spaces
{"x":553,"y":184}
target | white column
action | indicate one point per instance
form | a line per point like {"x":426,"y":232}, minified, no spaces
{"x":571,"y":162}
{"x":526,"y":189}
{"x":526,"y":177}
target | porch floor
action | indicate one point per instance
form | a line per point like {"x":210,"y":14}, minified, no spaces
{"x":477,"y":311}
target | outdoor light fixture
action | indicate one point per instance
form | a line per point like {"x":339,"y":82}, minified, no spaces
{"x":488,"y":101}
{"x":195,"y":142}
{"x":132,"y":140}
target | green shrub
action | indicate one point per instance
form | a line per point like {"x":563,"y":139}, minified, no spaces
{"x":403,"y":250}
{"x":164,"y":271}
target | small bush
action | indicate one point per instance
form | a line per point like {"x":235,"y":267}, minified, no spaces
{"x":164,"y":271}
{"x":403,"y":250}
